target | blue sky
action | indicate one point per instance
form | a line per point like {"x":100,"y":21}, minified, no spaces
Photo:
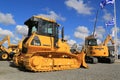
{"x":77,"y":17}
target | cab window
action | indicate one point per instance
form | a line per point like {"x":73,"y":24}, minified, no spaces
{"x":35,"y":41}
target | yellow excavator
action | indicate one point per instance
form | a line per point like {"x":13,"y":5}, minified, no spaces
{"x":43,"y":50}
{"x":99,"y":53}
{"x":6,"y":53}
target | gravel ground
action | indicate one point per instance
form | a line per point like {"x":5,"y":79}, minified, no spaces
{"x":95,"y":72}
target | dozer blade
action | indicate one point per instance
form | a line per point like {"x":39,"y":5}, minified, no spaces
{"x":81,"y":57}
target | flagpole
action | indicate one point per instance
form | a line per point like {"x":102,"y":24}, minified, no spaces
{"x":115,"y":26}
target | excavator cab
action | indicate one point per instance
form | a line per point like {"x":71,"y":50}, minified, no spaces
{"x":91,"y":42}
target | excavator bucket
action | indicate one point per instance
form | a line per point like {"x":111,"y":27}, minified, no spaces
{"x":81,"y":58}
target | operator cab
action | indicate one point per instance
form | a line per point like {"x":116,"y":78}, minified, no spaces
{"x":91,"y":42}
{"x":42,"y":26}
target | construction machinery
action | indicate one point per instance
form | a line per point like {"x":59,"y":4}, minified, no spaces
{"x":43,"y":50}
{"x":99,"y":53}
{"x":6,"y":53}
{"x":76,"y":48}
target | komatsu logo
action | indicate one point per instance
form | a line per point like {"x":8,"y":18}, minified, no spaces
{"x":99,"y":48}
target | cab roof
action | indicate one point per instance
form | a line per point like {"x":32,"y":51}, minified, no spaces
{"x":37,"y":18}
{"x":45,"y":18}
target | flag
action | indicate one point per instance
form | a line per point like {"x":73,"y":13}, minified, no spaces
{"x":110,"y":1}
{"x":104,"y":2}
{"x":110,"y":23}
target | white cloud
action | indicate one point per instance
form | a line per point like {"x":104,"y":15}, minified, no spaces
{"x":107,"y":16}
{"x":16,"y":39}
{"x":113,"y":29}
{"x":118,"y":41}
{"x":53,"y":15}
{"x":22,"y":29}
{"x":4,"y":32}
{"x":113,"y":34}
{"x":81,"y":32}
{"x":6,"y":19}
{"x":71,"y":42}
{"x":79,"y":6}
{"x":99,"y":41}
{"x":82,"y":29}
{"x":66,"y":37}
{"x":100,"y":31}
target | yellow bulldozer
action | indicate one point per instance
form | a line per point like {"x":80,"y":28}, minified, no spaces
{"x":43,"y":50}
{"x":6,"y":53}
{"x":99,"y":53}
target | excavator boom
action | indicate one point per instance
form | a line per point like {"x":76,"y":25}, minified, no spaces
{"x":6,"y":38}
{"x":108,"y":38}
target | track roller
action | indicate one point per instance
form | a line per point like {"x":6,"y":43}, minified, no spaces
{"x":92,"y":60}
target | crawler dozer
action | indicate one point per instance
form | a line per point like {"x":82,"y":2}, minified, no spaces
{"x":99,"y":53}
{"x":43,"y":50}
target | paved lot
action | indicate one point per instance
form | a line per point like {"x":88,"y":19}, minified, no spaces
{"x":95,"y":72}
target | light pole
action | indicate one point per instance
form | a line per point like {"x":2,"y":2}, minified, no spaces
{"x":115,"y":26}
